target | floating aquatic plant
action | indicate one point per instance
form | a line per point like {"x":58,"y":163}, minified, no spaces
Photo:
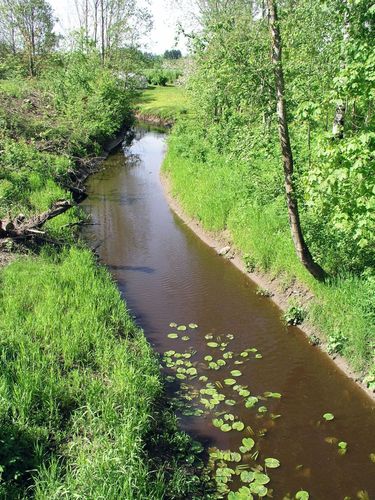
{"x":272,"y":463}
{"x":328,"y":416}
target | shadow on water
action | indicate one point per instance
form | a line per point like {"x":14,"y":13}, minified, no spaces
{"x":168,"y":275}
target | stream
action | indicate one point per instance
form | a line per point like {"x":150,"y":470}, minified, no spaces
{"x":270,"y":379}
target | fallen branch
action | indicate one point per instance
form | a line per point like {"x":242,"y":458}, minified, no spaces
{"x":20,"y":227}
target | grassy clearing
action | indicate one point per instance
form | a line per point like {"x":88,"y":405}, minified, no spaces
{"x":79,"y":387}
{"x":167,"y":103}
{"x":215,"y":189}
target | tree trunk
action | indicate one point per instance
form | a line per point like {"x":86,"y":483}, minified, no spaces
{"x":339,"y":118}
{"x":103,"y":30}
{"x":300,"y":245}
{"x":20,"y":227}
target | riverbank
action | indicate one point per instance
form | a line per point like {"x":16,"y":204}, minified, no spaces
{"x":271,"y":287}
{"x":260,"y":245}
{"x":84,"y":405}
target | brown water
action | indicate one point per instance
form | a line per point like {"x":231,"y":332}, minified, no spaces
{"x":169,"y":275}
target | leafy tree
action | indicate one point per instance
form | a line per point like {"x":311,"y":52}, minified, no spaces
{"x":31,"y":22}
{"x":172,"y":54}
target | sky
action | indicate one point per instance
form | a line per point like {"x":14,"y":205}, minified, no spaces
{"x":160,"y":39}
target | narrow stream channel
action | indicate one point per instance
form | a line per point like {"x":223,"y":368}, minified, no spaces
{"x":167,"y":274}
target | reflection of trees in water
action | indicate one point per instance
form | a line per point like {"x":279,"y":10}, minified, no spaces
{"x":132,"y":159}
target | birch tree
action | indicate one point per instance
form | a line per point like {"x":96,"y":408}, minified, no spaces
{"x":300,"y":245}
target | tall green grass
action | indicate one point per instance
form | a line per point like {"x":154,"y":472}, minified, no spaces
{"x":167,"y":103}
{"x":80,"y":390}
{"x":219,"y":190}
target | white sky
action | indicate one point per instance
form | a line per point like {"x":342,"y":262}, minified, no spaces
{"x":160,"y":39}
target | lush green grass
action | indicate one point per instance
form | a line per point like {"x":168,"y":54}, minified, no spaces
{"x":79,"y":387}
{"x":167,"y":102}
{"x":216,"y":189}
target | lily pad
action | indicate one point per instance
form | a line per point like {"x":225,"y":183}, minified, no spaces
{"x":328,"y":416}
{"x":251,"y":401}
{"x":181,"y":328}
{"x":193,"y":326}
{"x":258,"y":489}
{"x":226,"y":428}
{"x":235,"y":457}
{"x":173,"y":325}
{"x":172,"y":336}
{"x":235,"y":373}
{"x":244,"y":393}
{"x":238,"y":426}
{"x":218,"y":422}
{"x":242,"y":494}
{"x":261,"y":478}
{"x":258,"y":356}
{"x":275,"y":395}
{"x":228,"y":355}
{"x":343,"y":447}
{"x":229,"y":381}
{"x":272,"y":463}
{"x":302,"y":495}
{"x":185,"y":338}
{"x":212,"y":344}
{"x":247,"y":445}
{"x":230,"y":402}
{"x":247,"y":476}
{"x":208,"y":358}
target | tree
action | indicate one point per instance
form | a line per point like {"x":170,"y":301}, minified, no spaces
{"x":300,"y":245}
{"x":113,"y":24}
{"x":172,"y":54}
{"x":33,"y":21}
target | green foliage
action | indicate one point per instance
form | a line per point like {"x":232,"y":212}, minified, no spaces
{"x":162,"y":76}
{"x":78,"y":393}
{"x":172,"y":54}
{"x":224,"y":161}
{"x":294,"y":315}
{"x":92,"y":100}
{"x":163,"y":102}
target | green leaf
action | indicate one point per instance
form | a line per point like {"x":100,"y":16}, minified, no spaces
{"x":251,"y":401}
{"x":193,"y":326}
{"x":226,"y":428}
{"x":247,"y":445}
{"x":272,"y":463}
{"x":328,"y":416}
{"x":181,"y":328}
{"x":261,"y":478}
{"x":302,"y":495}
{"x":247,"y":476}
{"x":235,"y":373}
{"x":229,"y":381}
{"x":212,"y":344}
{"x":172,"y":336}
{"x":238,"y":426}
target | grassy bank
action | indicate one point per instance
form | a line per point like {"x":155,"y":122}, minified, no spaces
{"x":84,"y":413}
{"x":166,"y":103}
{"x":214,"y":188}
{"x":79,"y":389}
